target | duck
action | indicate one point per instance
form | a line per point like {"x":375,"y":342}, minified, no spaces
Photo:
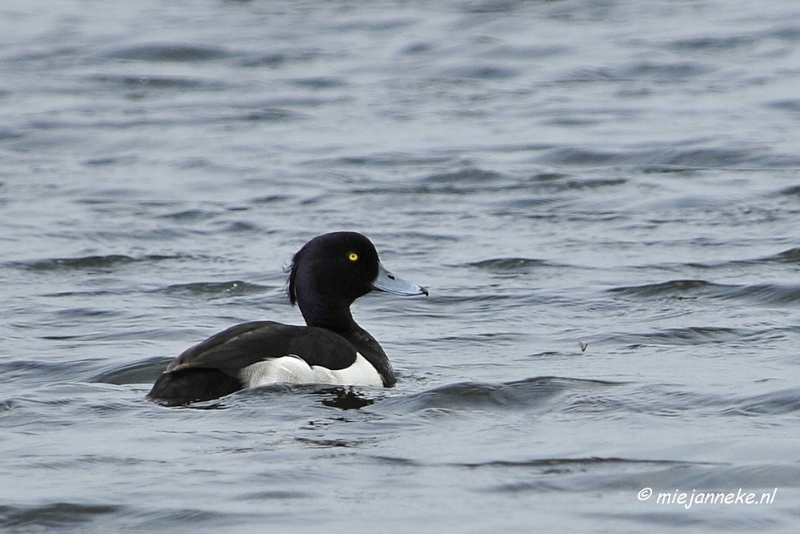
{"x":326,"y":276}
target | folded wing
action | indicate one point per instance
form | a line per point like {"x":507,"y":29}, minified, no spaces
{"x":219,"y":365}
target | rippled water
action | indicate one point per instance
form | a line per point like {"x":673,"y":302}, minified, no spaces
{"x":602,"y":197}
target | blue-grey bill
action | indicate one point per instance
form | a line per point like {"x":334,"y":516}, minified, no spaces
{"x":390,"y":283}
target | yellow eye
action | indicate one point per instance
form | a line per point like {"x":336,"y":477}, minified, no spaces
{"x":353,"y":256}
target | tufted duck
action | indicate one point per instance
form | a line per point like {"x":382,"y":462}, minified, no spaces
{"x":327,"y":275}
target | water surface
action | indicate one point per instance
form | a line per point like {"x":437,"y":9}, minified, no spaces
{"x":602,"y":198}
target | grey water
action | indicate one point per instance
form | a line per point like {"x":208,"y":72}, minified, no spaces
{"x":602,"y":197}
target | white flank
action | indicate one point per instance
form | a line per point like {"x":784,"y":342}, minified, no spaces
{"x":292,"y":369}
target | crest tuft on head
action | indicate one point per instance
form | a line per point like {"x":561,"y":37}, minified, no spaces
{"x":290,"y":268}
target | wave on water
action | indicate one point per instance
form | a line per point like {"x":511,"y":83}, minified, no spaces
{"x":767,"y":294}
{"x":669,"y":288}
{"x":787,"y":256}
{"x":231,"y":288}
{"x":169,"y":52}
{"x":509,"y":265}
{"x":53,"y":515}
{"x":530,"y":393}
{"x":551,"y":465}
{"x":102,"y":263}
{"x":779,"y":402}
{"x":553,"y":394}
{"x":42,"y":371}
{"x":670,"y":159}
{"x":466,"y":176}
{"x":143,"y":372}
{"x":542,"y":394}
{"x":130,"y":82}
{"x":89,"y":517}
{"x":672,"y":401}
{"x":692,"y":336}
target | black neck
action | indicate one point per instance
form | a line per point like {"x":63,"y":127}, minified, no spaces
{"x":335,"y":318}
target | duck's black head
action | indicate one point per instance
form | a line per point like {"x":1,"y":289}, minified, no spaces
{"x":333,"y":270}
